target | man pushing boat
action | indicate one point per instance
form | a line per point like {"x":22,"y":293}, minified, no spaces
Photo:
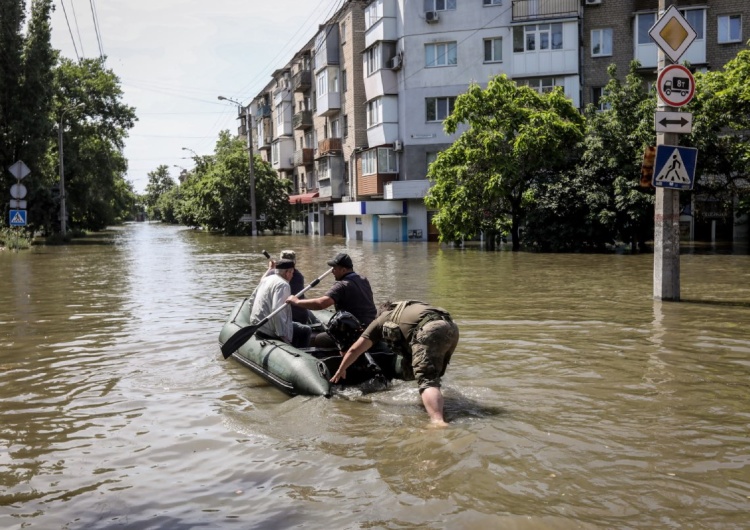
{"x":424,"y":334}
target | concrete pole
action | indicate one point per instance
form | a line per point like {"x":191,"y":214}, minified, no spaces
{"x":249,"y":133}
{"x":666,"y":219}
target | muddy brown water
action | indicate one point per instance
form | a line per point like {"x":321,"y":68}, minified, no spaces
{"x":575,"y":400}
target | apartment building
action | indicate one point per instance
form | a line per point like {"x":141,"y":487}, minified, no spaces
{"x":355,"y":118}
{"x":617,"y":31}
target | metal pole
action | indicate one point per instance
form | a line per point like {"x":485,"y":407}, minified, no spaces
{"x":62,"y":174}
{"x":666,"y":219}
{"x":249,"y":133}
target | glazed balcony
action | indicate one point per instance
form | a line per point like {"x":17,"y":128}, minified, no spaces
{"x":370,"y":185}
{"x":529,"y":10}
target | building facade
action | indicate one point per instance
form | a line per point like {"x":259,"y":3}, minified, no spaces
{"x":355,"y":118}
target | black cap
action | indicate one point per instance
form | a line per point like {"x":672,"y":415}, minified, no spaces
{"x":284,"y":264}
{"x":342,"y":260}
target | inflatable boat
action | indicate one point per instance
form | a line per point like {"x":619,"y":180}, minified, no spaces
{"x":305,"y":371}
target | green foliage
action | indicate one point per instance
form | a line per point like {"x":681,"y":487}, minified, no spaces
{"x":159,"y":184}
{"x":513,"y":135}
{"x":14,"y":238}
{"x":721,"y":132}
{"x":217,"y":193}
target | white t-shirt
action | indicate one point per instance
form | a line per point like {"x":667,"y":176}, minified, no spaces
{"x":271,"y":294}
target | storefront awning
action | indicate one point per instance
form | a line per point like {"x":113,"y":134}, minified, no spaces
{"x":304,"y":198}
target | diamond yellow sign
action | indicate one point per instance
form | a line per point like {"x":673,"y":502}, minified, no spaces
{"x":672,"y":33}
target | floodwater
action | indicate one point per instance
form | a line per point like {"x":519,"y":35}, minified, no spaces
{"x":574,"y":399}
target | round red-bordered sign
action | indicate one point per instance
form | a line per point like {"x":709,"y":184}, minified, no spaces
{"x":675,"y":85}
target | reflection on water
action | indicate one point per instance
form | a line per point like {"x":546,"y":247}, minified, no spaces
{"x":575,"y":400}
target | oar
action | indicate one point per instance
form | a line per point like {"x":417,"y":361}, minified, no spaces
{"x":242,"y":335}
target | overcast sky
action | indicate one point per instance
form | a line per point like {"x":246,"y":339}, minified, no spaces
{"x":175,"y":57}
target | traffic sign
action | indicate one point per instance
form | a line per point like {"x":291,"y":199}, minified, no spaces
{"x":18,"y":205}
{"x":675,"y":167}
{"x":18,"y":191}
{"x":672,"y":33}
{"x":18,"y":218}
{"x":675,"y":85}
{"x":19,"y":170}
{"x":673,"y":122}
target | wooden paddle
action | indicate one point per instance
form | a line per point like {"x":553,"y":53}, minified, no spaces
{"x":242,"y":335}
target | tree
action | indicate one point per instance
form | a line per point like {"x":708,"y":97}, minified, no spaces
{"x":159,"y":184}
{"x":217,"y":193}
{"x":26,"y":93}
{"x":721,"y":109}
{"x":94,"y":137}
{"x":514,"y":134}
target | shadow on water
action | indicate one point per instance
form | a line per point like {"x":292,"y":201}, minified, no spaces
{"x":722,"y":303}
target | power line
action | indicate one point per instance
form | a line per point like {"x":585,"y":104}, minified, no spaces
{"x":70,"y":30}
{"x":78,"y":27}
{"x":95,"y":18}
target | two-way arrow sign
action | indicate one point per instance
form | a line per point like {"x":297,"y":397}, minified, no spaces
{"x":673,"y":122}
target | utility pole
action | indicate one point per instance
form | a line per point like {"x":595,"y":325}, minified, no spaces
{"x":63,"y":209}
{"x":666,"y":215}
{"x":249,"y":135}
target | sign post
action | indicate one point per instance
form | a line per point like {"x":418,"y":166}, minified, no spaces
{"x":673,"y":35}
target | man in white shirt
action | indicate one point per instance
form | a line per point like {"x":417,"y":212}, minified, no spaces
{"x":271,"y":294}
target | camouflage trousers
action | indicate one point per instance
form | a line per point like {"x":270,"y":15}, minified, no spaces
{"x":431,"y":349}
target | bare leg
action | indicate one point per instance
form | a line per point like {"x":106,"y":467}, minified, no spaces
{"x":432,"y":398}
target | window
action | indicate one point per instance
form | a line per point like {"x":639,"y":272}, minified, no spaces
{"x":323,"y":83}
{"x":601,"y":42}
{"x":645,"y":22}
{"x":346,"y":125}
{"x":439,"y":5}
{"x":695,"y":19}
{"x":493,"y":50}
{"x":437,"y":109}
{"x":370,"y":162}
{"x":730,"y":28}
{"x":431,"y":157}
{"x":323,"y":169}
{"x":596,"y":98}
{"x":372,"y":57}
{"x":374,"y":112}
{"x":542,"y":85}
{"x":387,"y":160}
{"x":380,"y":160}
{"x":343,"y":80}
{"x":342,"y":29}
{"x":275,"y":153}
{"x":334,"y":129}
{"x":373,"y":13}
{"x":492,"y":2}
{"x":440,"y":54}
{"x":537,"y":37}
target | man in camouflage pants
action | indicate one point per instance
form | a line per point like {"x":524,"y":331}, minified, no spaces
{"x":420,"y":332}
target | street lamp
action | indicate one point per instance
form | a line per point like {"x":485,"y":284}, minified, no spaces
{"x":188,"y":149}
{"x":63,"y":212}
{"x":249,"y":134}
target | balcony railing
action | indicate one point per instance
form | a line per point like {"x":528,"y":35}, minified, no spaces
{"x":302,"y":81}
{"x":302,"y":120}
{"x":329,"y":146}
{"x":263,"y":111}
{"x":544,"y":9}
{"x":304,"y":157}
{"x":368,"y":185}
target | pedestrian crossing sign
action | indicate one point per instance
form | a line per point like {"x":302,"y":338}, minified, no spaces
{"x":18,"y":218}
{"x":675,"y":167}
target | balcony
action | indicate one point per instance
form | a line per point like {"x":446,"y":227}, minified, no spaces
{"x":263,"y":111}
{"x":304,"y":157}
{"x":329,"y":147}
{"x":529,"y":10}
{"x":369,"y":185}
{"x":264,"y":142}
{"x":302,"y":120}
{"x":302,"y":81}
{"x":406,"y":189}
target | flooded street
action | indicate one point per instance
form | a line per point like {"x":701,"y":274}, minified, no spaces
{"x":574,"y":399}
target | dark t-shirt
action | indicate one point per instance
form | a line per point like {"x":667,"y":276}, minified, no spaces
{"x":410,"y":317}
{"x":353,"y":293}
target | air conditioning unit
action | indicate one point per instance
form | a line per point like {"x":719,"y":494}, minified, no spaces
{"x":396,"y":62}
{"x":593,"y":2}
{"x":398,"y":146}
{"x":431,"y":17}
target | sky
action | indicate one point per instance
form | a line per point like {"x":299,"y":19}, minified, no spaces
{"x":175,"y":57}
